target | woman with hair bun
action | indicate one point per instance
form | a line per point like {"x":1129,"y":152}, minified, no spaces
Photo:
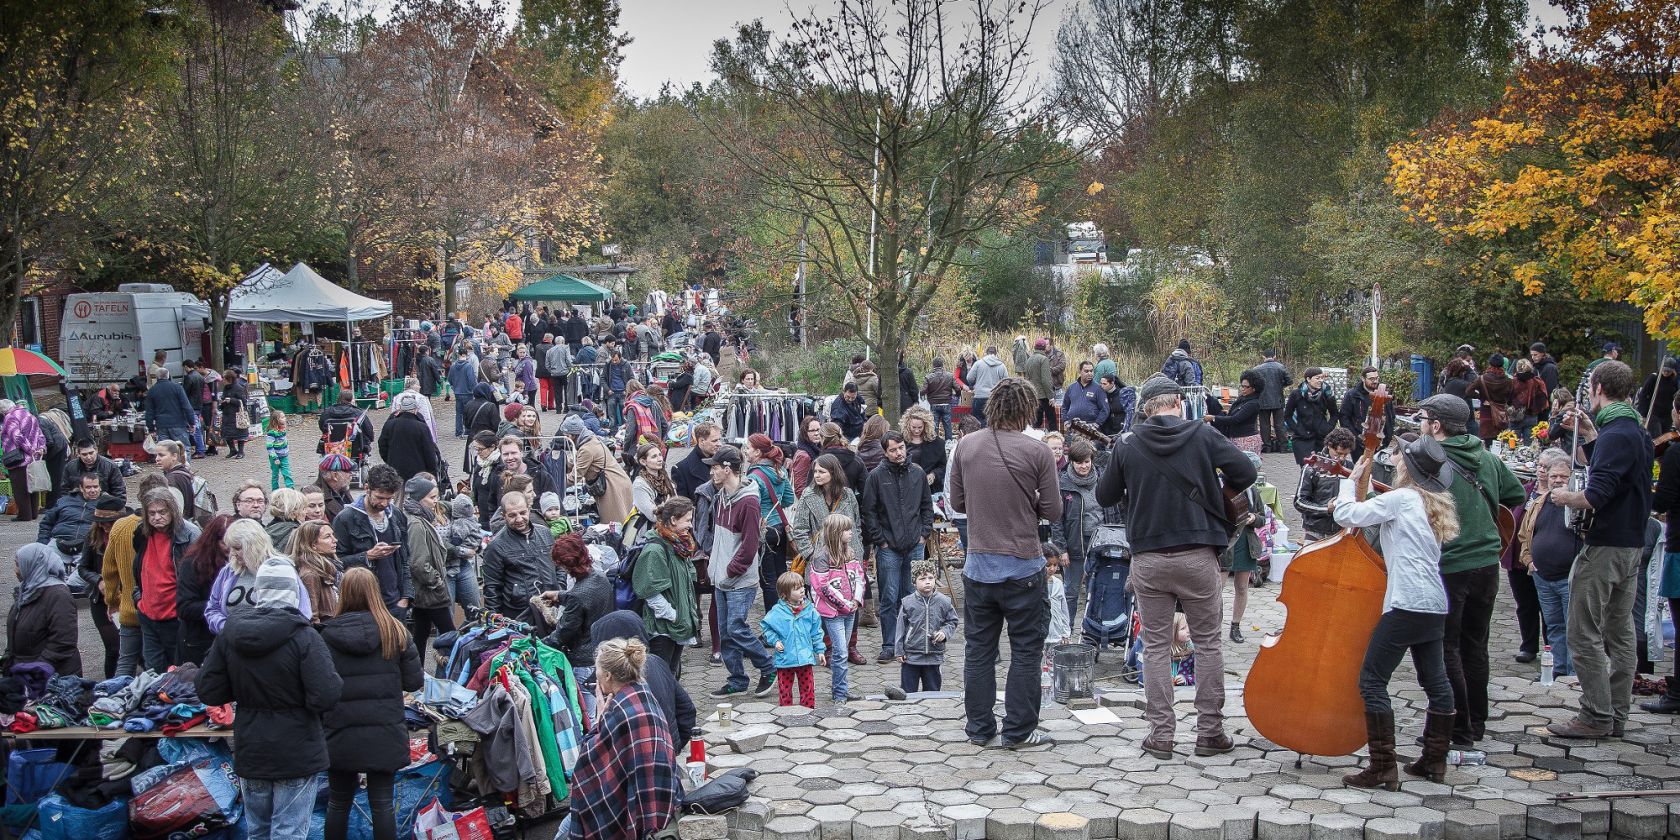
{"x":625,"y":785}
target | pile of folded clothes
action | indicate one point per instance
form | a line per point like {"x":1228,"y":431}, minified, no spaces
{"x":33,"y":697}
{"x":150,"y":701}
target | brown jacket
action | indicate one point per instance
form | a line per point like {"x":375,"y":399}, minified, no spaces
{"x":117,"y":576}
{"x":592,"y":458}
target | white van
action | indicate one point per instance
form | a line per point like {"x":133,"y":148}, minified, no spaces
{"x":110,"y":336}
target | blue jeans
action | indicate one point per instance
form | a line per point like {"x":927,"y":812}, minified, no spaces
{"x":463,"y":586}
{"x":158,"y":640}
{"x":178,"y":433}
{"x":461,"y":417}
{"x":839,"y":630}
{"x":892,"y":572}
{"x":739,"y":639}
{"x":942,"y":418}
{"x":278,"y":809}
{"x":979,"y":412}
{"x":615,"y":409}
{"x":1554,"y":605}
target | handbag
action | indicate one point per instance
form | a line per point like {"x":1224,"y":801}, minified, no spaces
{"x":796,"y":561}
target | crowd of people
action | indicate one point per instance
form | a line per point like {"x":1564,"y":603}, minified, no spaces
{"x":314,"y":608}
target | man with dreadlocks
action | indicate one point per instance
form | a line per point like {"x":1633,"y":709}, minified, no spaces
{"x":1014,"y":482}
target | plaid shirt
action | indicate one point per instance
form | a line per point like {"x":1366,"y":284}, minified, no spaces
{"x":625,"y":786}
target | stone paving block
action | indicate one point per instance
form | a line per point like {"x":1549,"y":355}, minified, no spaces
{"x":1145,"y":823}
{"x":752,"y":815}
{"x":1011,"y":824}
{"x":1513,"y":817}
{"x":1553,"y":822}
{"x":792,"y":828}
{"x":1391,"y":828}
{"x":1595,"y":815}
{"x":1238,"y":821}
{"x":1336,"y":827}
{"x":834,"y":821}
{"x":1638,"y":819}
{"x":1196,"y":825}
{"x":967,"y":822}
{"x":1429,"y":820}
{"x":1472,"y":824}
{"x":708,"y":827}
{"x":1062,"y":825}
{"x":1103,"y":819}
{"x":876,"y":825}
{"x":1283,"y":825}
{"x":923,"y":829}
{"x":748,"y":739}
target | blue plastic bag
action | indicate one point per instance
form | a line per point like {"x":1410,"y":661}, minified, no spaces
{"x":62,"y":821}
{"x":32,"y":774}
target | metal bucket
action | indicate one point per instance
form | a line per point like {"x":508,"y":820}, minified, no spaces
{"x":1070,"y":671}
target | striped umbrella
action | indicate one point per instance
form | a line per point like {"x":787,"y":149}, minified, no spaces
{"x":15,"y":361}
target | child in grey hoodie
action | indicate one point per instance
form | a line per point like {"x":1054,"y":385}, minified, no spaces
{"x":465,"y":540}
{"x":926,"y":621}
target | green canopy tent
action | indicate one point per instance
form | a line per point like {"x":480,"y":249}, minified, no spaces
{"x":563,"y":287}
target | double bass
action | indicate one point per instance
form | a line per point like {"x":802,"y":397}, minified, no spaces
{"x":1303,"y":691}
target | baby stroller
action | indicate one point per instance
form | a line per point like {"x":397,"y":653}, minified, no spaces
{"x":1108,"y":608}
{"x":351,"y":437}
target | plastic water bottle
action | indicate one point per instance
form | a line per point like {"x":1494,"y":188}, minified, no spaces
{"x":1466,"y":758}
{"x":1547,"y":675}
{"x":1046,"y":686}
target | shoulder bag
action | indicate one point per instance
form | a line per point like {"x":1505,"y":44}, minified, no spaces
{"x":796,"y":561}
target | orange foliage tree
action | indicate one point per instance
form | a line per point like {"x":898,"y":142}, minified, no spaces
{"x":1574,"y":176}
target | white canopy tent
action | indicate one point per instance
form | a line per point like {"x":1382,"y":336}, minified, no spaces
{"x":299,"y":295}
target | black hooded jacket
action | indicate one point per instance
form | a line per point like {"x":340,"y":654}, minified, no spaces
{"x":365,"y":731}
{"x":277,"y":668}
{"x":1159,"y":515}
{"x":674,"y":701}
{"x":406,"y":444}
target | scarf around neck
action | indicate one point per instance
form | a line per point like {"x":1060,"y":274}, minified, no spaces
{"x":1615,"y":411}
{"x":683,"y":543}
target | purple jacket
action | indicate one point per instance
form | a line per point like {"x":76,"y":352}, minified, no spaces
{"x":217,"y":610}
{"x":20,"y":432}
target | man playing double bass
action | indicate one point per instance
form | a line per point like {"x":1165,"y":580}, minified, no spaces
{"x":1481,"y":483}
{"x":1605,"y":578}
{"x":1167,"y":470}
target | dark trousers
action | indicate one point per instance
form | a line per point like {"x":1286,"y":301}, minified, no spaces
{"x":1470,"y":599}
{"x":423,"y":620}
{"x":1046,"y":418}
{"x":772,"y":564}
{"x":341,"y":793}
{"x":1305,"y":447}
{"x":666,"y":648}
{"x":107,"y":631}
{"x":919,"y":677}
{"x":1399,"y":631}
{"x":557,"y":393}
{"x":159,"y":641}
{"x":1271,"y":429}
{"x":987,"y":607}
{"x":1528,"y":608}
{"x":1643,"y":664}
{"x":20,"y":493}
{"x":1674,"y":681}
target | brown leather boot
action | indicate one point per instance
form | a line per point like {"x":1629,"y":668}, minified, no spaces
{"x":1381,"y":771}
{"x":1437,"y":736}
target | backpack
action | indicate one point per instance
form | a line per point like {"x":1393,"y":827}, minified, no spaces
{"x":204,"y":502}
{"x":724,"y":793}
{"x":624,"y":590}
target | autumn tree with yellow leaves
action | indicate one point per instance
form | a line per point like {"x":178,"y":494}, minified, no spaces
{"x":1573,"y":179}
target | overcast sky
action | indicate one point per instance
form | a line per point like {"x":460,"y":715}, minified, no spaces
{"x":673,"y":38}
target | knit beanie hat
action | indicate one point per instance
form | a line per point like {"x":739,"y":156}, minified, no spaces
{"x":276,"y":586}
{"x":419,"y":487}
{"x":1155,"y":386}
{"x":461,"y":506}
{"x":548,"y":501}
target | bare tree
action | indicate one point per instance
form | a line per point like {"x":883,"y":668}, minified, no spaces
{"x":904,"y":131}
{"x":1122,"y":65}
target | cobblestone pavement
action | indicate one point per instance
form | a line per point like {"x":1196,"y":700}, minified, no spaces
{"x":877,"y":769}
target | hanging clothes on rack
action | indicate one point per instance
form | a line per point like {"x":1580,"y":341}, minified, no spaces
{"x":773,"y":413}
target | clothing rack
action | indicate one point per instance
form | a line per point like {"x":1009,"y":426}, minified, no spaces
{"x":773,"y":413}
